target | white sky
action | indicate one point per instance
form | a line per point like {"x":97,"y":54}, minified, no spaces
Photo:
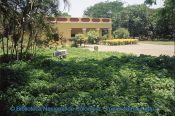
{"x":77,"y":7}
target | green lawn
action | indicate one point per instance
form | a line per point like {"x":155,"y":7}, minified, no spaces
{"x":89,"y":79}
{"x":158,"y":42}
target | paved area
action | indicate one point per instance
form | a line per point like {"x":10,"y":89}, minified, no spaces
{"x":147,"y":49}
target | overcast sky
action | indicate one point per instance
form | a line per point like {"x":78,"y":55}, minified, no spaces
{"x":77,"y":7}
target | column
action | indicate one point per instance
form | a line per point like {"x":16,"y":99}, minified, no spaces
{"x":84,"y":31}
{"x":109,"y":33}
{"x":69,"y":33}
{"x":68,"y":38}
{"x":99,"y":32}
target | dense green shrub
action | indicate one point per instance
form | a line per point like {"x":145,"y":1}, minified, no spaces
{"x":92,"y":36}
{"x":121,"y":33}
{"x":79,"y":39}
{"x":87,"y":78}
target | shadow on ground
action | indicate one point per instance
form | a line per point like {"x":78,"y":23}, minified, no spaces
{"x":113,"y":81}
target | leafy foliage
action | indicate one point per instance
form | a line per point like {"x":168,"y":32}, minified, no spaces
{"x":121,"y":33}
{"x":140,"y":20}
{"x":104,"y":9}
{"x":165,"y":28}
{"x":24,"y":20}
{"x":87,"y":78}
{"x":92,"y":36}
{"x":79,"y":39}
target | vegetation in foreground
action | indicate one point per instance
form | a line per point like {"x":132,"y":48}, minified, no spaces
{"x":87,"y":78}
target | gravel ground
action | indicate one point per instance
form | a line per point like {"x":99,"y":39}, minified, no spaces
{"x":147,"y":49}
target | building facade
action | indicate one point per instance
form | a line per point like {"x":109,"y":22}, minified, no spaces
{"x":69,"y":26}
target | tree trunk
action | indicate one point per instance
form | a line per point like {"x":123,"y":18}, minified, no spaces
{"x":35,"y":43}
{"x":17,"y":53}
{"x":3,"y":45}
{"x":22,"y":38}
{"x":12,"y":49}
{"x":29,"y":41}
{"x":7,"y":50}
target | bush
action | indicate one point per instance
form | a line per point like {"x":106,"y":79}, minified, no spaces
{"x":79,"y":39}
{"x":92,"y":36}
{"x":121,"y":33}
{"x":120,"y":41}
{"x":89,"y":79}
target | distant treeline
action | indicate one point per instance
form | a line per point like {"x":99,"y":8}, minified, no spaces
{"x":140,"y":20}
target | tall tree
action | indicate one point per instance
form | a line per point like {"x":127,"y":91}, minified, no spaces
{"x":104,"y":9}
{"x":135,"y":17}
{"x":165,"y":28}
{"x":18,"y":17}
{"x":138,"y":24}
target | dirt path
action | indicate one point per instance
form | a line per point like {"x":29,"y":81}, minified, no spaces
{"x":147,"y":49}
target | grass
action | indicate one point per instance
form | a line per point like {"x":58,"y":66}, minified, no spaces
{"x":158,"y":42}
{"x":84,"y":78}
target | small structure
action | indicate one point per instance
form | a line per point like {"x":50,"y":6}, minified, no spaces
{"x":95,"y":48}
{"x":60,"y":53}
